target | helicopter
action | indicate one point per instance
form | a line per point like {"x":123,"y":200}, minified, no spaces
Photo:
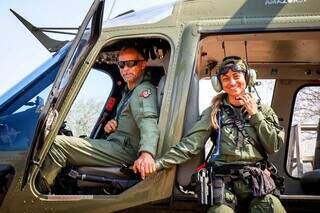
{"x":77,"y":91}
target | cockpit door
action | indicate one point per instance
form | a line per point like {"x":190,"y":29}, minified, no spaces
{"x":87,"y":36}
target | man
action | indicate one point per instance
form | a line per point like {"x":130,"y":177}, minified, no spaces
{"x":245,"y":132}
{"x":133,"y":133}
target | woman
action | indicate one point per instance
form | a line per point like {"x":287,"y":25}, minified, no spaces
{"x":245,"y":133}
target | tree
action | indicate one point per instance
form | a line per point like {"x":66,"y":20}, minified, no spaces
{"x":307,"y":106}
{"x":83,"y":116}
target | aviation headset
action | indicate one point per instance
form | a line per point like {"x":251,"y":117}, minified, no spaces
{"x":237,"y":64}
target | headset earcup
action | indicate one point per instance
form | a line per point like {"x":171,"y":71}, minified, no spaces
{"x":216,"y":83}
{"x":251,"y":77}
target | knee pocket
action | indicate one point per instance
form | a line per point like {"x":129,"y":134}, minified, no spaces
{"x":230,"y":199}
{"x":228,"y":205}
{"x":229,"y":196}
{"x":267,"y":204}
{"x":220,"y":209}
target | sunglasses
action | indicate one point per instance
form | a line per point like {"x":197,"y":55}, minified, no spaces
{"x":233,"y":67}
{"x":130,"y":63}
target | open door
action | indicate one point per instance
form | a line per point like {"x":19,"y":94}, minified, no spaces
{"x":87,"y":36}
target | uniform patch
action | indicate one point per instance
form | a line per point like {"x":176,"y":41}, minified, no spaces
{"x":145,"y":93}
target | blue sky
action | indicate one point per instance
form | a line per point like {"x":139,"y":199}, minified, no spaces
{"x":20,"y":52}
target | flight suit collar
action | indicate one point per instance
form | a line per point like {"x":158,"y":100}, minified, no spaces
{"x":234,"y":111}
{"x":229,"y":109}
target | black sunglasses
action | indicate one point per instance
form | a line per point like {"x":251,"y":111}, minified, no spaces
{"x":233,"y":67}
{"x":130,"y":63}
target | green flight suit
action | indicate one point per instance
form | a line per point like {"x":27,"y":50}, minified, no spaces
{"x":262,"y":127}
{"x":137,"y":131}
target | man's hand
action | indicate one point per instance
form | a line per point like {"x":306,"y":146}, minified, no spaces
{"x":249,"y":103}
{"x":267,"y":172}
{"x":111,"y":126}
{"x":145,"y":164}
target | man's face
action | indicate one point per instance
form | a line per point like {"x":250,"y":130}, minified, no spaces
{"x":233,"y":83}
{"x":131,"y":65}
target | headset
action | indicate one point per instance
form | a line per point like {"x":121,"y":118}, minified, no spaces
{"x":237,"y":62}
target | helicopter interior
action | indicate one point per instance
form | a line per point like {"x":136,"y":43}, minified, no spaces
{"x":280,"y":58}
{"x":292,"y":61}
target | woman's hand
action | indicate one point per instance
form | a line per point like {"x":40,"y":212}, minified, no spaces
{"x":249,"y":103}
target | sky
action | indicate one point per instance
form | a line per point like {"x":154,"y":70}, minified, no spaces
{"x":21,"y":52}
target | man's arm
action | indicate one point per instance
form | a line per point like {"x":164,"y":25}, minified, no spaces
{"x":190,"y":145}
{"x":145,"y":112}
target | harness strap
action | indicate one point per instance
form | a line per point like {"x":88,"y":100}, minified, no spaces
{"x":216,"y":136}
{"x":123,"y":103}
{"x":240,"y":125}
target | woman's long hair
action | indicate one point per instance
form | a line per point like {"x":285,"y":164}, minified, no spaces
{"x":217,"y":102}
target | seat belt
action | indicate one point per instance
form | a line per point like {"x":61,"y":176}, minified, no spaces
{"x":123,"y":103}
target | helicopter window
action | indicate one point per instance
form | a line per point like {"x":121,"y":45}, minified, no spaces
{"x":37,"y":100}
{"x":80,"y":49}
{"x":150,"y":15}
{"x":89,"y":103}
{"x":303,"y":151}
{"x":13,"y":132}
{"x":265,"y":90}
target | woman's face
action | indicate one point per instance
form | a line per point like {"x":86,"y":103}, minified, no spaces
{"x":233,"y":83}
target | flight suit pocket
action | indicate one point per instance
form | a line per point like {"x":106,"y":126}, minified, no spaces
{"x":264,"y":204}
{"x":230,"y":199}
{"x":126,"y":143}
{"x":123,"y":141}
{"x":128,"y":146}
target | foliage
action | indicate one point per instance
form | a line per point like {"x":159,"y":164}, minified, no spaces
{"x":83,"y":116}
{"x":307,"y":107}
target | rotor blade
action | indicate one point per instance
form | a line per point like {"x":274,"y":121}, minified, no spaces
{"x":52,"y":45}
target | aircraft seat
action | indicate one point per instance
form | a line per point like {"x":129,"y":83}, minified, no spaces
{"x":310,"y":181}
{"x":113,"y":180}
{"x":160,"y":90}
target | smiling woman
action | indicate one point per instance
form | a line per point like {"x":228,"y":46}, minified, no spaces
{"x":244,"y":133}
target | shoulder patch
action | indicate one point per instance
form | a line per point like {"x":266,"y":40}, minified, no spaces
{"x":145,"y":93}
